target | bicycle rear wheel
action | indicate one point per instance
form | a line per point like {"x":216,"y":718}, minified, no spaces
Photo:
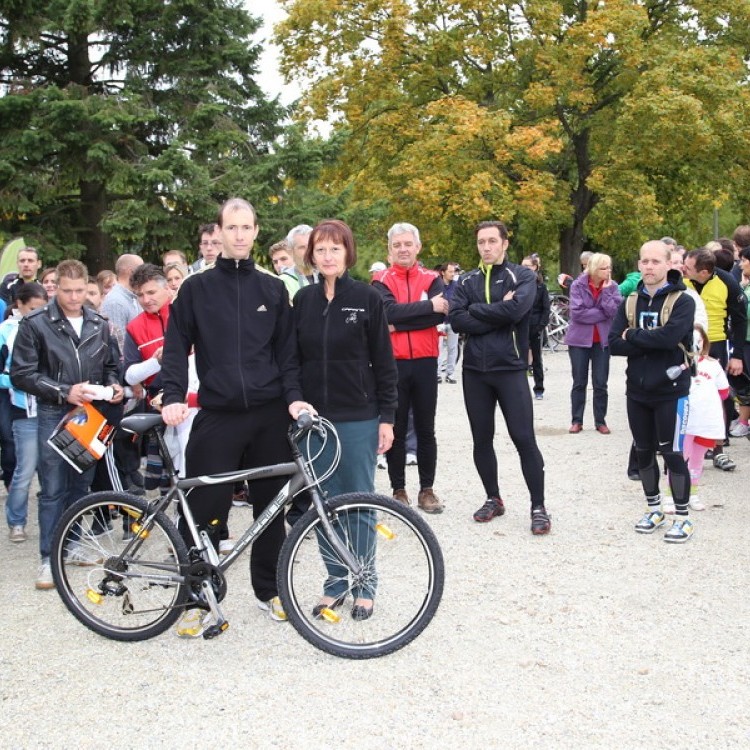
{"x":402,"y":569}
{"x":117,"y":566}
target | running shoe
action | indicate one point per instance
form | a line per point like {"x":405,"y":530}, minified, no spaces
{"x":44,"y":580}
{"x":17,"y":534}
{"x":192,"y":623}
{"x":541,"y":523}
{"x":681,"y":531}
{"x":740,"y":430}
{"x":382,"y":462}
{"x":653,"y":520}
{"x":75,"y":554}
{"x":274,"y":609}
{"x":723,"y":462}
{"x":241,"y":499}
{"x":492,"y":508}
{"x":411,"y":459}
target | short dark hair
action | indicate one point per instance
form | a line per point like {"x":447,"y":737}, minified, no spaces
{"x":724,"y":258}
{"x":704,"y":259}
{"x":205,"y":229}
{"x":741,"y":235}
{"x":235,"y":204}
{"x":24,"y":293}
{"x":29,"y":249}
{"x":145,"y":273}
{"x":336,"y":231}
{"x":489,"y":224}
{"x":745,"y":253}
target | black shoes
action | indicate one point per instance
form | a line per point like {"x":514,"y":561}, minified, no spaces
{"x":493,"y":507}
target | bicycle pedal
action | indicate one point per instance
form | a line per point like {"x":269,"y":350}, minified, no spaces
{"x":213,"y":630}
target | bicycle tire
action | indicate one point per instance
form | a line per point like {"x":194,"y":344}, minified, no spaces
{"x":401,"y":558}
{"x":124,"y":597}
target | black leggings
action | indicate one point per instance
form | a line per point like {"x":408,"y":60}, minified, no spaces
{"x":417,"y":389}
{"x":509,"y":389}
{"x":654,"y":428}
{"x":218,"y":442}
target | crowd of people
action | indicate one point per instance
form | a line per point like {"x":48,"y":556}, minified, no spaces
{"x":230,"y":351}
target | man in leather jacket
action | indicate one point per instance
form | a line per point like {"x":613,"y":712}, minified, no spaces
{"x":61,"y":352}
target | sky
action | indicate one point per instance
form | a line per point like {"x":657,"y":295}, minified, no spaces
{"x":269,"y":79}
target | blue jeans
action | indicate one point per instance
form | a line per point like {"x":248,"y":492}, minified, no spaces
{"x":355,"y":473}
{"x":61,"y":484}
{"x":27,"y":453}
{"x":580,"y":358}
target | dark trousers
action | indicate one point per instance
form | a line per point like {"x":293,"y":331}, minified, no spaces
{"x":654,"y":430}
{"x":509,"y":389}
{"x":7,"y":446}
{"x":537,"y":366}
{"x":581,"y":357}
{"x":417,"y":389}
{"x":218,"y":441}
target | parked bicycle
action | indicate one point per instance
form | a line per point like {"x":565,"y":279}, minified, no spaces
{"x":122,"y":567}
{"x":557,"y":326}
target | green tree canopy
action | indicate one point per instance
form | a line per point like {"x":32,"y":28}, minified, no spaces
{"x":582,"y":123}
{"x":122,"y":124}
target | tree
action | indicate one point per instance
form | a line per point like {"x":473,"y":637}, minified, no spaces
{"x":585,"y":124}
{"x":122,"y":125}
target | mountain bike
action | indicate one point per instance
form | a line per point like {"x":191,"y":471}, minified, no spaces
{"x":123,"y":569}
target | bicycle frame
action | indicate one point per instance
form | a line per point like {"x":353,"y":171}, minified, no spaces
{"x":300,"y":477}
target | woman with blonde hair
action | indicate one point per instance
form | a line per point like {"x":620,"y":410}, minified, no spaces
{"x":594,"y":299}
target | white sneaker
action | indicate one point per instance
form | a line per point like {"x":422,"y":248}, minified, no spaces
{"x":77,"y":555}
{"x":226,"y":546}
{"x":382,"y":463}
{"x":740,"y":430}
{"x":696,"y":503}
{"x":274,"y":609}
{"x":411,"y":459}
{"x":44,"y":580}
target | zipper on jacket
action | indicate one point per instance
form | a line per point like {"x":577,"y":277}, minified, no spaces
{"x":325,"y":352}
{"x":239,"y":338}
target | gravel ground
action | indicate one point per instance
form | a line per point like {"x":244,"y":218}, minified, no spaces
{"x":593,"y":637}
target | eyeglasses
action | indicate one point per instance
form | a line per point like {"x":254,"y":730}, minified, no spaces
{"x":215,"y":243}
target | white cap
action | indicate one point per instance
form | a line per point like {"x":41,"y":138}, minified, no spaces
{"x":377,"y":266}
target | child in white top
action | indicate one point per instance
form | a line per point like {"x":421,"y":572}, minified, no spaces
{"x":705,"y":426}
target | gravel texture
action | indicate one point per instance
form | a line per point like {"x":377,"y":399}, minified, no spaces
{"x":593,"y":637}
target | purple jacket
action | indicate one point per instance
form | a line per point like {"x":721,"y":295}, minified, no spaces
{"x":587,"y":313}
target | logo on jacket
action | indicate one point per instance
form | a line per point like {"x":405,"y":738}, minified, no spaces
{"x":352,"y":316}
{"x":262,"y":308}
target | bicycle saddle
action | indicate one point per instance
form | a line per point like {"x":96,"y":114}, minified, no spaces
{"x":140,"y":423}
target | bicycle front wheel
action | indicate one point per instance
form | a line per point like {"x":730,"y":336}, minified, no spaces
{"x":116,"y":566}
{"x":402,"y":570}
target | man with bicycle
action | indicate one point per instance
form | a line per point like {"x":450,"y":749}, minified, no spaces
{"x":239,"y":323}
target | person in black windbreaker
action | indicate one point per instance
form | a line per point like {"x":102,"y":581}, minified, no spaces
{"x":654,"y":345}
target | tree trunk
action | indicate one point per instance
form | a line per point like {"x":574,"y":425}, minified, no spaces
{"x":98,"y":254}
{"x":573,"y":240}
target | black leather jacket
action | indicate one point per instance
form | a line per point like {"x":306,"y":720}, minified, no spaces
{"x":49,"y":358}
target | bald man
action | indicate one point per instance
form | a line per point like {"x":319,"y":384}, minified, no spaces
{"x":655,"y":402}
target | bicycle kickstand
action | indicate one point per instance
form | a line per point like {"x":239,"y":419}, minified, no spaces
{"x":220,"y":624}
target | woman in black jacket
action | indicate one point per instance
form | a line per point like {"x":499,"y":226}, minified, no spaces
{"x":349,"y":373}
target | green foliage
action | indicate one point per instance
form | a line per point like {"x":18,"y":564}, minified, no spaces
{"x":585,"y":125}
{"x":122,"y":125}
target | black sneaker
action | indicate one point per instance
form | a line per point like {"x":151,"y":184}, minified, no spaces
{"x":541,"y":523}
{"x":493,"y":507}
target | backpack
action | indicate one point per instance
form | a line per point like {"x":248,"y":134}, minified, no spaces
{"x":664,"y":313}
